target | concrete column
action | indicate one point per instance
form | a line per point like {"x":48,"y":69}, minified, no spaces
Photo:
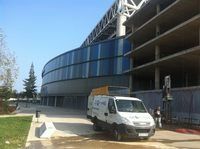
{"x":47,"y":101}
{"x":158,"y":8}
{"x":198,"y":66}
{"x":157,"y":77}
{"x":157,"y":30}
{"x":130,"y":82}
{"x":55,"y":102}
{"x":199,"y":34}
{"x":121,"y":29}
{"x":157,"y":52}
{"x":199,"y":57}
{"x":133,"y":28}
{"x":157,"y":69}
{"x":199,"y":6}
{"x":186,"y":80}
{"x":131,"y":77}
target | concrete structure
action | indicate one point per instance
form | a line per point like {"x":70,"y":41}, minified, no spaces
{"x":166,"y":41}
{"x":46,"y":130}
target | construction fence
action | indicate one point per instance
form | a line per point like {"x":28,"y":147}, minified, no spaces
{"x":185,"y":104}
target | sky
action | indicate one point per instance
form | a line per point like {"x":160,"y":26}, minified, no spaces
{"x":38,"y":30}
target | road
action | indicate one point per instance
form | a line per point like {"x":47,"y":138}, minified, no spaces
{"x":74,"y":131}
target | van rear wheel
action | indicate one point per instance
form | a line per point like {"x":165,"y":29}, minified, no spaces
{"x":117,"y":135}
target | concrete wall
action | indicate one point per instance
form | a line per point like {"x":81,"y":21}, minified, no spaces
{"x":82,"y":86}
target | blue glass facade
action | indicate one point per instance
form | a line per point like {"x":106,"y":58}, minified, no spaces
{"x":101,"y":59}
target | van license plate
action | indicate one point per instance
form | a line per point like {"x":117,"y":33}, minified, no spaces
{"x":143,"y":134}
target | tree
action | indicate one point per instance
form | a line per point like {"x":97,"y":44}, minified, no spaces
{"x":8,"y":67}
{"x":29,"y":84}
{"x":8,"y":72}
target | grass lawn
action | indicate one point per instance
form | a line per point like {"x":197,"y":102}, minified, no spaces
{"x":15,"y":130}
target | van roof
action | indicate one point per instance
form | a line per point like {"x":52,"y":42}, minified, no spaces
{"x":121,"y":97}
{"x":126,"y":98}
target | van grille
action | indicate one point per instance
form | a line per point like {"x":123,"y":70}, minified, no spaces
{"x":141,"y":124}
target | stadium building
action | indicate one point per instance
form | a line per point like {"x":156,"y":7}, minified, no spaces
{"x":136,"y":44}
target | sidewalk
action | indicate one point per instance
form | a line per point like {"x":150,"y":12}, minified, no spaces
{"x":67,"y":122}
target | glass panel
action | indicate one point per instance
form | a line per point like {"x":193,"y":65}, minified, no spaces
{"x":76,"y":71}
{"x":127,"y":46}
{"x":77,"y":56}
{"x":94,"y":51}
{"x":105,"y":67}
{"x":69,"y":72}
{"x":70,"y":58}
{"x":62,"y":61}
{"x":126,"y":64}
{"x":84,"y":70}
{"x":66,"y":57}
{"x":107,"y":49}
{"x":63,"y":74}
{"x":84,"y":55}
{"x":93,"y":69}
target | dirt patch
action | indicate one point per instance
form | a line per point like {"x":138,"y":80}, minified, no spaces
{"x":10,"y":110}
{"x":97,"y":141}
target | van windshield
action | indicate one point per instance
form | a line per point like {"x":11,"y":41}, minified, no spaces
{"x":130,"y":106}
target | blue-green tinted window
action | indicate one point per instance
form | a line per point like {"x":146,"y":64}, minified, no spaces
{"x":94,"y":51}
{"x":77,"y":56}
{"x":84,"y":70}
{"x":69,"y":58}
{"x":106,"y":67}
{"x":75,"y":63}
{"x":76,"y":71}
{"x":64,"y":72}
{"x":69,"y":72}
{"x":125,"y":64}
{"x":126,"y":47}
{"x":62,"y":61}
{"x":93,"y":69}
{"x":65,"y":60}
{"x":84,"y":55}
{"x":107,"y":49}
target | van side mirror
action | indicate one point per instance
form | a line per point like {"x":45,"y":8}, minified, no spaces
{"x":112,"y":110}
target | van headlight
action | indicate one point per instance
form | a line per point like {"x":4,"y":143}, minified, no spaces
{"x":153,"y":123}
{"x":126,"y":121}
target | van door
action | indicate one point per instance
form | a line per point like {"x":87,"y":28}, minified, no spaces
{"x":111,"y":118}
{"x":89,"y":106}
{"x":102,"y":108}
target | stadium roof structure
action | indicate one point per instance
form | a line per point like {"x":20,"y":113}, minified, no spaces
{"x":107,"y":26}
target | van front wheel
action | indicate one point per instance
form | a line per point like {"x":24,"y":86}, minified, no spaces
{"x":117,"y":135}
{"x":96,"y":127}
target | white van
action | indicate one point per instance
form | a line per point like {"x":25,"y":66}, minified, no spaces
{"x":124,"y":116}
